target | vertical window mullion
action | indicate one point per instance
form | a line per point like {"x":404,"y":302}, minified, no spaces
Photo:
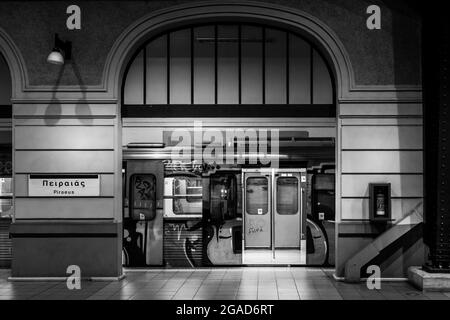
{"x":192,"y":65}
{"x":287,"y":67}
{"x":311,"y":74}
{"x":168,"y":67}
{"x":263,"y":65}
{"x":215,"y":63}
{"x":240,"y":63}
{"x":144,"y":73}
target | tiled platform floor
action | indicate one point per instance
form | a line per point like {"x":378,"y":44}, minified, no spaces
{"x":224,"y":284}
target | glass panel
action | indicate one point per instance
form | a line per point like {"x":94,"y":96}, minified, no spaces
{"x":187,"y":193}
{"x":322,"y":86}
{"x":299,"y":71}
{"x":5,"y":83}
{"x":324,"y":182}
{"x":204,"y":80}
{"x":144,"y":187}
{"x":5,"y":187}
{"x":275,"y":67}
{"x":227,"y":65}
{"x":251,"y":72}
{"x":157,"y":71}
{"x":134,"y":83}
{"x":5,"y":208}
{"x":287,"y":195}
{"x":5,"y":162}
{"x":223,"y":197}
{"x":180,"y":67}
{"x":257,"y":200}
{"x":143,"y":197}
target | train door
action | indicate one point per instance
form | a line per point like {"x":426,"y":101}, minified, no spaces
{"x":257,"y":207}
{"x":287,"y":213}
{"x":143,"y":216}
{"x":274,"y":226}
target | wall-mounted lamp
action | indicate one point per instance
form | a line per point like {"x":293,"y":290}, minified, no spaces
{"x":61,"y":52}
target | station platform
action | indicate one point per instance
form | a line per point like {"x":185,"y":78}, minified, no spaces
{"x":246,"y":283}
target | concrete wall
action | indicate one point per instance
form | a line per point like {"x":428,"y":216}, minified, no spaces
{"x":68,"y":138}
{"x":389,"y":56}
{"x":380,"y":143}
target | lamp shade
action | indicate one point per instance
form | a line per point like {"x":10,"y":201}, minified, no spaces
{"x":55,"y":57}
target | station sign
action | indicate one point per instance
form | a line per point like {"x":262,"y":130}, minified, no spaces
{"x":63,"y":185}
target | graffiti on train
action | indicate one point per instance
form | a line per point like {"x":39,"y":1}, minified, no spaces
{"x":256,"y":229}
{"x":183,"y":243}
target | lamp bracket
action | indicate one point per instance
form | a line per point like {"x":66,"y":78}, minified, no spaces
{"x":64,"y":46}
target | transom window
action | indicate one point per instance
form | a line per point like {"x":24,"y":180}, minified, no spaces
{"x":210,"y":70}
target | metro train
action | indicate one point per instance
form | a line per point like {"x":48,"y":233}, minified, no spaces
{"x":193,"y":213}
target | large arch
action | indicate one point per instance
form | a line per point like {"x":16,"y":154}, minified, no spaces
{"x":11,"y":82}
{"x":154,"y":23}
{"x":300,"y":22}
{"x":15,"y":63}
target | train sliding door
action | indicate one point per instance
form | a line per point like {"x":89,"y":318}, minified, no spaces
{"x":287,"y":213}
{"x":258,"y":213}
{"x":274,"y":226}
{"x":143,"y":216}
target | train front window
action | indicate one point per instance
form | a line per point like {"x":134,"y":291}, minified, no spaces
{"x":287,"y":195}
{"x":5,"y":197}
{"x":257,"y":195}
{"x":223,"y":197}
{"x":143,"y":196}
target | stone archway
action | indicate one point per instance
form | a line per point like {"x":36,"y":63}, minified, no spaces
{"x":155,"y":22}
{"x":317,"y":31}
{"x":15,"y":63}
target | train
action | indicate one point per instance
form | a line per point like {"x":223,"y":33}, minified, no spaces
{"x":180,"y":212}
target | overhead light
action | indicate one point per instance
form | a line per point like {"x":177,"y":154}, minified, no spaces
{"x":61,"y":52}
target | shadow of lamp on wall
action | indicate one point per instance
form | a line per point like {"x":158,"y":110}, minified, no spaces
{"x":61,"y":56}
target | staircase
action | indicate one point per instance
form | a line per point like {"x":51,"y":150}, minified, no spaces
{"x":408,"y":223}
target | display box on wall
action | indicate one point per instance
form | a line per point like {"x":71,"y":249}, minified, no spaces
{"x":380,"y":202}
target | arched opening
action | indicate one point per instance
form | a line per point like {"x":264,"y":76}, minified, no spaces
{"x":216,"y":67}
{"x":5,"y":164}
{"x":252,"y":107}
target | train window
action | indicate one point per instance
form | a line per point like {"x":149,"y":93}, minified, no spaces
{"x":143,"y":197}
{"x":257,"y":200}
{"x":324,"y":182}
{"x":223,"y":197}
{"x":6,"y":197}
{"x":6,"y":189}
{"x":187,"y":192}
{"x":287,"y":195}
